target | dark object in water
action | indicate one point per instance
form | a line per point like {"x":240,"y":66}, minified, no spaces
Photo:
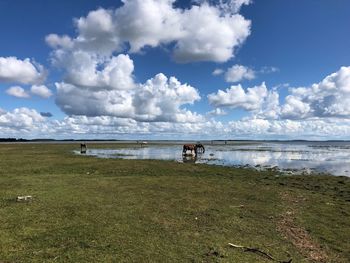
{"x":83,"y":148}
{"x":142,"y":143}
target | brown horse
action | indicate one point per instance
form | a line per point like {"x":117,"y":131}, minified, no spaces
{"x":196,"y":148}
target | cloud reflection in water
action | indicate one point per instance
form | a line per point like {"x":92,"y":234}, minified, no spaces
{"x":328,"y":157}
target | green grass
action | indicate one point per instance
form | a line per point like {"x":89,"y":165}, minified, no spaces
{"x":86,"y":209}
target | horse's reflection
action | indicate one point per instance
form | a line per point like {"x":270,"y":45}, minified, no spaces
{"x":189,"y":159}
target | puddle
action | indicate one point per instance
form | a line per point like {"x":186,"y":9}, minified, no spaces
{"x":323,"y":157}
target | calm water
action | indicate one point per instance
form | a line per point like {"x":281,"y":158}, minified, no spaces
{"x":291,"y":157}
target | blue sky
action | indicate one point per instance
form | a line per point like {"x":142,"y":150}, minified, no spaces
{"x":282,"y":68}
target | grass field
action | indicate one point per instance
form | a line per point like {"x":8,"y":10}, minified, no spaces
{"x":86,"y":209}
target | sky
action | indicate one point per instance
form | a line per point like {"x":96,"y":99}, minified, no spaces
{"x":166,"y":69}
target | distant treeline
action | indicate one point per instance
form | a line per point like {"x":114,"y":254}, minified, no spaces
{"x":12,"y":140}
{"x":150,"y":140}
{"x":52,"y":140}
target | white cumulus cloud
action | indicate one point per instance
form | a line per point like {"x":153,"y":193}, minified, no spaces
{"x":80,"y":100}
{"x":218,"y":72}
{"x":159,"y":99}
{"x":56,"y":41}
{"x":328,"y":98}
{"x":149,"y":23}
{"x":226,"y":5}
{"x":236,"y":97}
{"x":238,"y":73}
{"x":88,"y":70}
{"x":19,"y":120}
{"x":98,"y":78}
{"x":41,"y":91}
{"x":18,"y":92}
{"x":28,"y":123}
{"x":217,"y":112}
{"x":25,"y":71}
{"x":200,"y":24}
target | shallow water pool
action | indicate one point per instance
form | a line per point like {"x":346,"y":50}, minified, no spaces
{"x":292,"y":157}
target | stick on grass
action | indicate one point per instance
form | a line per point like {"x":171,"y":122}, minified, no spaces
{"x":259,"y":252}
